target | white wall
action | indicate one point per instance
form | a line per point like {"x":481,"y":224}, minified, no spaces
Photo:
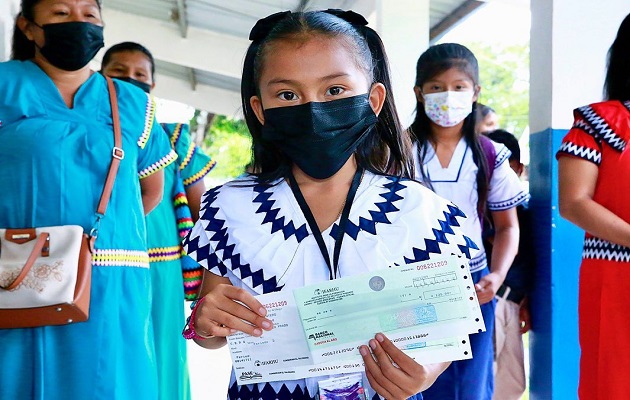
{"x":404,"y":28}
{"x":569,"y":56}
{"x":8,"y":11}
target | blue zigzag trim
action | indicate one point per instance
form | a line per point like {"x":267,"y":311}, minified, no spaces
{"x":247,"y":392}
{"x":600,"y":129}
{"x":433,"y":245}
{"x":627,"y":104}
{"x":271,"y":215}
{"x":217,"y":232}
{"x":380,"y":216}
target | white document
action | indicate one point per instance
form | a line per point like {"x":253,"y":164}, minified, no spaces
{"x":283,"y":353}
{"x":425,"y":301}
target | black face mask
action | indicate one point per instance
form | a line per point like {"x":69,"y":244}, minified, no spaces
{"x":71,"y":45}
{"x":320,"y":137}
{"x":144,"y":86}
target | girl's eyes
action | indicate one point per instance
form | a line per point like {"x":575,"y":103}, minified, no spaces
{"x":288,"y":96}
{"x":334,"y":91}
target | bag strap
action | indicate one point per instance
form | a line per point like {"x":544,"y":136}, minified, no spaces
{"x":490,"y":153}
{"x":117,"y":152}
{"x":39,"y":245}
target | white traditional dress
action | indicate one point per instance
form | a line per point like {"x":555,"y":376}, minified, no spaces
{"x":256,"y":235}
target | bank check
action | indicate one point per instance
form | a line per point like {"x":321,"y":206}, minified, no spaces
{"x":434,"y":300}
{"x":283,"y":353}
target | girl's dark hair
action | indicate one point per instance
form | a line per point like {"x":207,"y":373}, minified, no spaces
{"x":617,"y":84}
{"x":483,"y":111}
{"x":385,"y":148}
{"x":434,"y":61}
{"x":128,"y":46}
{"x":23,"y":49}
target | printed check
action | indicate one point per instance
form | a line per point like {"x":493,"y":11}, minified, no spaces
{"x":427,"y":309}
{"x":434,"y":299}
{"x":283,"y":353}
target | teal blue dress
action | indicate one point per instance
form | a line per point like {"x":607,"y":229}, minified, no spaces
{"x":53,"y":162}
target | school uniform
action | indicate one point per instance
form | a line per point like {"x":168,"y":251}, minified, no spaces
{"x":257,"y":235}
{"x":471,"y":379}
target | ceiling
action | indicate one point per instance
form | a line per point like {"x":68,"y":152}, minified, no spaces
{"x":176,"y":31}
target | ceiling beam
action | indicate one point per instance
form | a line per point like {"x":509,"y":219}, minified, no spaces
{"x":452,"y":19}
{"x":201,"y":49}
{"x":182,"y":19}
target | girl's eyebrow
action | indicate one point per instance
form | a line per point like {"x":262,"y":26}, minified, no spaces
{"x":294,"y":82}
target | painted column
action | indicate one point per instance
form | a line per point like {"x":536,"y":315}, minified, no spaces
{"x":404,"y":27}
{"x":569,"y":43}
{"x":8,"y":10}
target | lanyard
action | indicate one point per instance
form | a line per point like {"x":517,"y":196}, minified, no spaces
{"x":333,"y":268}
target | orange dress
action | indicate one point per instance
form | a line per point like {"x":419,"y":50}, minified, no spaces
{"x":600,"y":135}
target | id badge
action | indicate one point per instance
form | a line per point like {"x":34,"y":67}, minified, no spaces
{"x":345,"y":387}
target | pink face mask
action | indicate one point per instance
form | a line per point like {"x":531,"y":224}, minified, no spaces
{"x":448,"y":108}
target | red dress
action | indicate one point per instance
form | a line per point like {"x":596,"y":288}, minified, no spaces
{"x":600,"y":134}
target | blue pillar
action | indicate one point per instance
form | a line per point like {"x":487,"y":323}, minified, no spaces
{"x":569,"y":42}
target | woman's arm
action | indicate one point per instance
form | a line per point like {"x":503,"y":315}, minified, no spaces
{"x":152,"y":190}
{"x":219,"y":315}
{"x":393,"y":374}
{"x":504,"y":249}
{"x":577,"y":180}
{"x":193,"y":194}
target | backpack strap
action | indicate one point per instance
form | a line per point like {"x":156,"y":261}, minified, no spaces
{"x":490,"y":153}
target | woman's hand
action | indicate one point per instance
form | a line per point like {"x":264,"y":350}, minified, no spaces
{"x":488,"y":286}
{"x":393,"y":374}
{"x":227,"y":309}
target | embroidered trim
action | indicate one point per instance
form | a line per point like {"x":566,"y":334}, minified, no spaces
{"x":503,"y":155}
{"x":271,"y":215}
{"x":218,"y":235}
{"x":149,"y":119}
{"x":158,"y":165}
{"x":600,"y":129}
{"x":267,"y":391}
{"x":380,"y":216}
{"x":177,"y":131}
{"x":583,"y":152}
{"x":160,"y":254}
{"x":600,"y":249}
{"x":120,"y":258}
{"x":433,"y":245}
{"x":520,"y":198}
{"x":192,"y":149}
{"x":625,"y":103}
{"x":199,"y":175}
{"x":479,"y":262}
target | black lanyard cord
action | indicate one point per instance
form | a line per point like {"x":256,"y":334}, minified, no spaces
{"x":333,"y":268}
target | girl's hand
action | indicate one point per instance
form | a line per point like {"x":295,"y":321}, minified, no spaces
{"x":487,"y":287}
{"x":227,"y":309}
{"x":393,"y":374}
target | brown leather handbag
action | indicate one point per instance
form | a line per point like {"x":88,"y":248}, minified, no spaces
{"x":46,"y":272}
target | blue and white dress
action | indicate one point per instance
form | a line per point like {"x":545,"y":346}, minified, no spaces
{"x":472,"y":379}
{"x":257,"y":236}
{"x":53,"y":164}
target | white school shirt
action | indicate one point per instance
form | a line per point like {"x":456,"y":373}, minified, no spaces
{"x":257,"y":236}
{"x":458,"y":184}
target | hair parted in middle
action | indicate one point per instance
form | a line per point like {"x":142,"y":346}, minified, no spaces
{"x":434,"y":61}
{"x":386,"y":148}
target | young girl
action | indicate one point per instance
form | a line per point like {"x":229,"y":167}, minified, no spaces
{"x":317,"y":99}
{"x":473,"y":173}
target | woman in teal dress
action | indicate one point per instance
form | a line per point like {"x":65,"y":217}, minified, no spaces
{"x":56,"y":141}
{"x":183,"y":188}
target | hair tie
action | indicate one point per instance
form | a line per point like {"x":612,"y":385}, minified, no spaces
{"x":349,"y":16}
{"x":263,"y":26}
